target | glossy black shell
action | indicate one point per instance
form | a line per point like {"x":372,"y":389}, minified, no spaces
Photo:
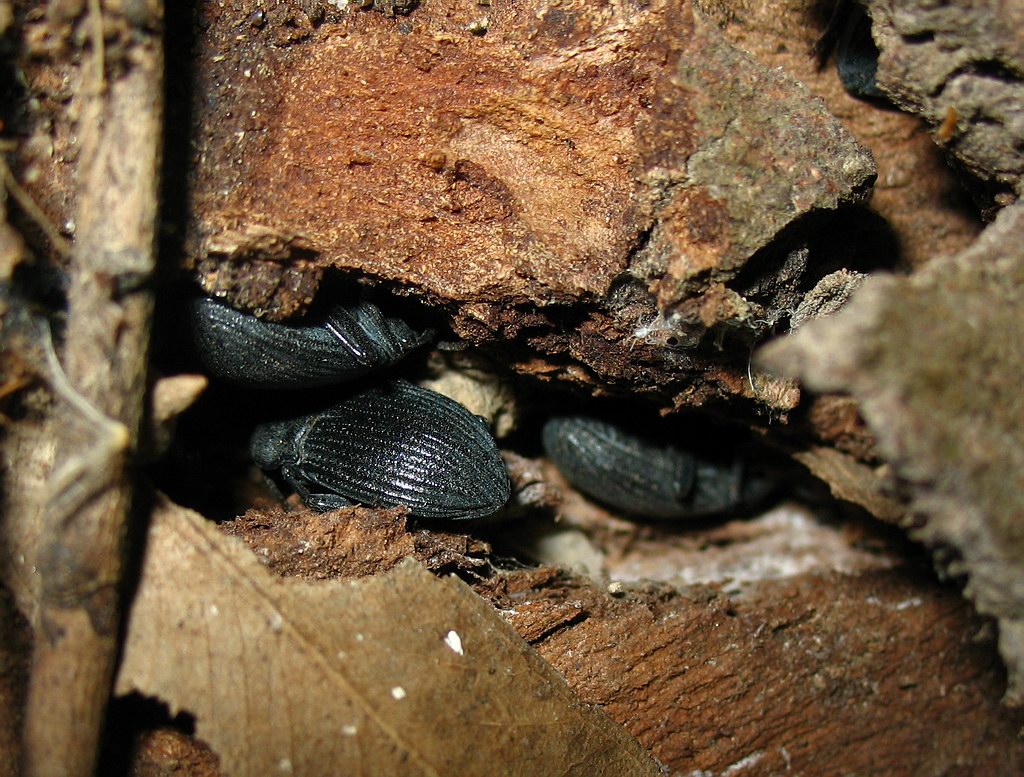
{"x":647,"y":478}
{"x":621,"y":469}
{"x":246,"y":350}
{"x":394,"y":445}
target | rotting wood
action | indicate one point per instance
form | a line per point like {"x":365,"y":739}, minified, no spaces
{"x":934,"y":361}
{"x":883,"y":672}
{"x":928,"y":703}
{"x":957,"y":65}
{"x":581,"y":189}
{"x":110,"y":303}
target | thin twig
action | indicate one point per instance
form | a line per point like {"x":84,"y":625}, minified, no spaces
{"x":100,"y":55}
{"x":32,"y":210}
{"x":80,"y":477}
{"x":103,"y":382}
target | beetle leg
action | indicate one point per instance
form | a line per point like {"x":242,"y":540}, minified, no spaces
{"x":323,"y":503}
{"x":296,"y":481}
{"x":272,"y":484}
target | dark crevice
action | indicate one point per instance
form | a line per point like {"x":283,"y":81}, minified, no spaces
{"x":558,"y":628}
{"x":129,"y":718}
{"x":988,"y":69}
{"x":917,"y":38}
{"x":852,"y":238}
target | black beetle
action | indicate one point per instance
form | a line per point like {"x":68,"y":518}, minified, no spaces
{"x":397,"y":444}
{"x":246,"y":350}
{"x":848,"y":37}
{"x":857,"y":58}
{"x":645,"y":477}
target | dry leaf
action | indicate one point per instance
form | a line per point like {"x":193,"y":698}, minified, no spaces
{"x":399,"y":674}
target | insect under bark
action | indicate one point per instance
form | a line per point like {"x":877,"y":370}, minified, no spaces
{"x":352,"y":341}
{"x":397,"y":444}
{"x":644,"y":477}
{"x":848,"y":38}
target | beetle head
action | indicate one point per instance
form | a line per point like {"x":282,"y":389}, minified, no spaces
{"x":272,"y":445}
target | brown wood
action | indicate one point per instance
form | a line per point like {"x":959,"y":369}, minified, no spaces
{"x":90,"y":495}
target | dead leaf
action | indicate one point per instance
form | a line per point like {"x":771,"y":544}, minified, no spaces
{"x":399,"y":674}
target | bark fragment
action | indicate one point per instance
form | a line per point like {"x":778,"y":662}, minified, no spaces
{"x":916,"y":193}
{"x":933,"y":360}
{"x":580,"y":186}
{"x":960,"y":66}
{"x":794,"y":675}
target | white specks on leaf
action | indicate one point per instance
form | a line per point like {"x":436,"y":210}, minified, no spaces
{"x":454,"y":641}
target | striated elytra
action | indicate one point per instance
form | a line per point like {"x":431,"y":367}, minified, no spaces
{"x":351,"y":341}
{"x":642,"y":476}
{"x":397,"y":444}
